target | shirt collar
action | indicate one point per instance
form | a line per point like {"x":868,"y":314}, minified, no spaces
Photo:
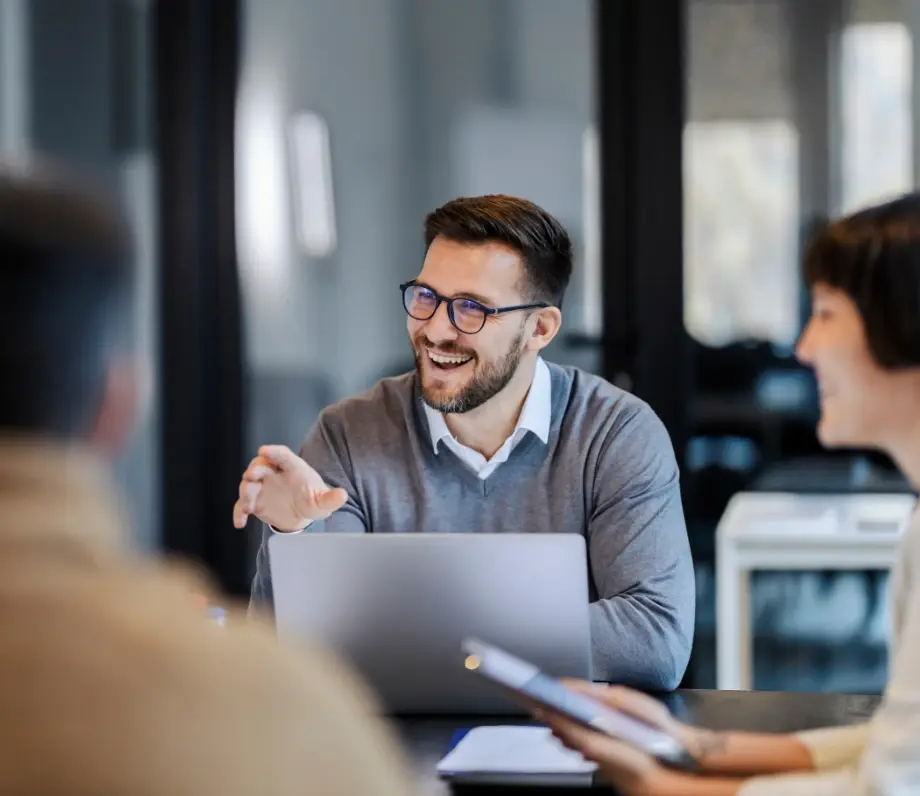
{"x":535,"y":414}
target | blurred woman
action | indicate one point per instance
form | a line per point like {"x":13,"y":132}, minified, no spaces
{"x":863,"y":342}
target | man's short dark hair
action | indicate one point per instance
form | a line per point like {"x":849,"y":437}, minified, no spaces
{"x":540,"y":240}
{"x":65,"y":299}
{"x":874,"y":257}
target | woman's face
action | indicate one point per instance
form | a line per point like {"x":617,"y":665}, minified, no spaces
{"x":861,"y":402}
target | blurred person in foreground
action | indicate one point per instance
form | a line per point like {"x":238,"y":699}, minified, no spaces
{"x":863,"y":342}
{"x":111,"y":680}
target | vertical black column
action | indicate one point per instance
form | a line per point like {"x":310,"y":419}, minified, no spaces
{"x":641,"y":85}
{"x":196,"y":44}
{"x":815,"y":30}
{"x":641,"y":79}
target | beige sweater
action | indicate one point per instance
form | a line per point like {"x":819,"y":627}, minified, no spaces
{"x":881,"y":757}
{"x":111,"y":681}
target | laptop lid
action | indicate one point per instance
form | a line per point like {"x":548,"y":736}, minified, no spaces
{"x":397,"y":606}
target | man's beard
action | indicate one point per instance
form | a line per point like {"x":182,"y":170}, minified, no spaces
{"x":487,"y":381}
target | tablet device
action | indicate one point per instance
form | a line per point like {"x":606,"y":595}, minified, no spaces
{"x":535,"y":687}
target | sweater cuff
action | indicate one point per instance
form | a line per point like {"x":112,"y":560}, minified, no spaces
{"x":288,"y":533}
{"x":828,"y":783}
{"x":834,"y":747}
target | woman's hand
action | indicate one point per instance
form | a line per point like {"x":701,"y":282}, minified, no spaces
{"x":625,"y":767}
{"x":629,"y":769}
{"x":725,"y":758}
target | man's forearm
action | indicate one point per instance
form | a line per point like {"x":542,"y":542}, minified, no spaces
{"x":740,"y":753}
{"x":638,"y":643}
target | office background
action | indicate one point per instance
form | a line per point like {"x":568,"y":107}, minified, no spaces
{"x":277,"y":158}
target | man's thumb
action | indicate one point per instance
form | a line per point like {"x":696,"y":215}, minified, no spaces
{"x":332,"y":499}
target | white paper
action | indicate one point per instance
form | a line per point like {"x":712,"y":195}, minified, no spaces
{"x":513,"y":750}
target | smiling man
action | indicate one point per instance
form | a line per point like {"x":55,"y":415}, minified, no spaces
{"x":486,"y":436}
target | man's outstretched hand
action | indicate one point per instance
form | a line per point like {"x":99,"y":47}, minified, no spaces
{"x":281,"y":489}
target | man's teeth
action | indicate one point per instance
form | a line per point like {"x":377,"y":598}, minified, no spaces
{"x":442,"y":360}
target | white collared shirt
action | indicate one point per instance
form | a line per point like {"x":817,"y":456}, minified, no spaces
{"x":535,"y":417}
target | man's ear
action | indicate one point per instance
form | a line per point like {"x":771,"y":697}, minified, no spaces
{"x":118,"y":408}
{"x":547,"y":323}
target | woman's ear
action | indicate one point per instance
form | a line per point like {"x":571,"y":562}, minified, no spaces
{"x":118,"y":408}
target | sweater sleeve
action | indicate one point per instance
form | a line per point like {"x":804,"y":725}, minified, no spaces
{"x":828,"y":783}
{"x":835,"y":752}
{"x":325,"y":450}
{"x":642,"y":623}
{"x":835,"y":747}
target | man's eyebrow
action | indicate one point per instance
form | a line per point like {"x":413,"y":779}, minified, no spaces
{"x":462,"y":294}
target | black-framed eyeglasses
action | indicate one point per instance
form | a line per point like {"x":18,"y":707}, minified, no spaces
{"x":467,"y":315}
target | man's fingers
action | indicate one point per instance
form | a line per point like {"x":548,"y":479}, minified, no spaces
{"x":259,"y":469}
{"x":279,"y":455}
{"x":249,"y":491}
{"x":246,"y":504}
{"x":240,"y":514}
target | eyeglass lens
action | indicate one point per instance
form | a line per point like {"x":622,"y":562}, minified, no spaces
{"x":421,"y":303}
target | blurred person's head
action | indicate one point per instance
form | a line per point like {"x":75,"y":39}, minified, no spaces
{"x":489,"y":253}
{"x":863,"y":337}
{"x":65,"y":303}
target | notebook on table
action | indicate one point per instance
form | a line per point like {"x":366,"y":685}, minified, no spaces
{"x":513,"y":756}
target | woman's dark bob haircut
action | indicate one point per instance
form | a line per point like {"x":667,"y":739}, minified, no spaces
{"x":873,"y":256}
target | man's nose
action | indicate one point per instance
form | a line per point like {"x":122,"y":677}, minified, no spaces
{"x":439,"y":328}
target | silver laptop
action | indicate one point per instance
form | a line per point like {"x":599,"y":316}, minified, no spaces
{"x":398,"y":606}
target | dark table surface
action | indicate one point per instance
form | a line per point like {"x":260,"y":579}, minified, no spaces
{"x":426,"y":738}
